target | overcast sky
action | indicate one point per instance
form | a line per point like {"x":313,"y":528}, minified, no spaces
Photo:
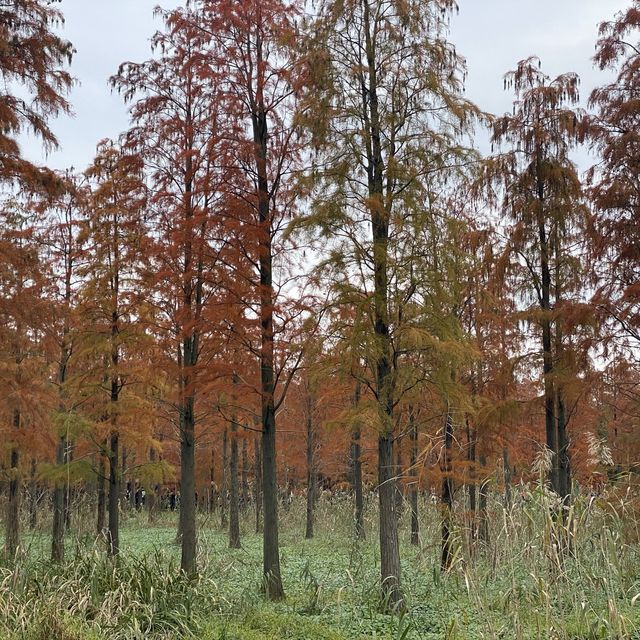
{"x":493,"y":35}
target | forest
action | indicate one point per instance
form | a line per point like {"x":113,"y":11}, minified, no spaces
{"x":292,"y":358}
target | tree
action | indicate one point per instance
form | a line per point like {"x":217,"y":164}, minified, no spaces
{"x":24,"y":315}
{"x":387,"y":114}
{"x":115,"y":238}
{"x":614,"y":183}
{"x":542,"y":195}
{"x":33,"y":57}
{"x":259,"y":79}
{"x":177,"y":129}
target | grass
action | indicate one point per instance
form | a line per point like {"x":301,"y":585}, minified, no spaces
{"x":534,"y":580}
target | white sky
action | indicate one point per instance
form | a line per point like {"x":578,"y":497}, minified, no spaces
{"x":493,"y":35}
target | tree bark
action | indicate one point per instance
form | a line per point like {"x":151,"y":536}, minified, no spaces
{"x":102,"y":495}
{"x":447,"y":493}
{"x":225,"y":481}
{"x":113,"y":542}
{"x":311,"y":470}
{"x":234,"y":508}
{"x":257,"y":477}
{"x":12,"y":535}
{"x":188,"y":488}
{"x":245,"y":474}
{"x":33,"y":497}
{"x":356,"y":472}
{"x":413,"y":474}
{"x":57,"y":534}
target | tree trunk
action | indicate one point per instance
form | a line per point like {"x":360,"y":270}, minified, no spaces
{"x":33,"y":497}
{"x":270,"y":546}
{"x":152,"y":490}
{"x":102,"y":501}
{"x":234,"y":508}
{"x":399,"y":480}
{"x":245,"y":474}
{"x":472,"y":485}
{"x":381,"y":360}
{"x":483,"y":519}
{"x":67,"y":488}
{"x":12,"y":536}
{"x":188,"y":487}
{"x":413,"y":473}
{"x":257,"y":477}
{"x":113,"y":547}
{"x":356,"y":472}
{"x":311,"y":471}
{"x":389,"y":547}
{"x":447,"y":493}
{"x":213,"y":493}
{"x":225,"y":481}
{"x":57,"y":536}
{"x":506,"y":465}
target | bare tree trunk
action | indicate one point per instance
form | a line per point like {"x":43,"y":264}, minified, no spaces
{"x":151,"y":491}
{"x":398,"y":480}
{"x":12,"y":535}
{"x":447,"y":493}
{"x":33,"y":497}
{"x":68,"y":488}
{"x":113,"y":547}
{"x":213,"y":493}
{"x":102,"y":496}
{"x":311,"y":470}
{"x":257,"y":475}
{"x":225,"y":481}
{"x":506,"y":466}
{"x":245,"y":474}
{"x":356,"y":472}
{"x":188,"y":488}
{"x":413,"y":473}
{"x":234,"y":510}
{"x":57,"y":534}
{"x":472,"y":486}
{"x":483,"y":523}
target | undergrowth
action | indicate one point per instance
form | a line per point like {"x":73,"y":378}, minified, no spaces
{"x":544,"y":573}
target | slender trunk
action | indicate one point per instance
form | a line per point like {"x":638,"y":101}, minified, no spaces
{"x":67,"y":488}
{"x":234,"y":508}
{"x":213,"y":493}
{"x":447,"y":493}
{"x":399,"y":480}
{"x":270,"y":546}
{"x":564,"y":468}
{"x":384,"y":379}
{"x":12,"y":536}
{"x":545,"y":324}
{"x":102,"y":495}
{"x":188,"y":488}
{"x":356,"y":470}
{"x":224,"y":491}
{"x":483,"y":520}
{"x":506,"y":465}
{"x":33,"y":497}
{"x":245,"y":474}
{"x":257,"y":489}
{"x":113,"y":547}
{"x":311,"y":471}
{"x":473,"y":479}
{"x":389,"y":547}
{"x":413,"y":474}
{"x":151,"y":490}
{"x":57,"y":537}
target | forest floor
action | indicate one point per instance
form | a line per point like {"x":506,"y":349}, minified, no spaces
{"x":516,"y":586}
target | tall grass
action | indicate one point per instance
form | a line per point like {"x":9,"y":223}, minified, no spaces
{"x":540,"y":575}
